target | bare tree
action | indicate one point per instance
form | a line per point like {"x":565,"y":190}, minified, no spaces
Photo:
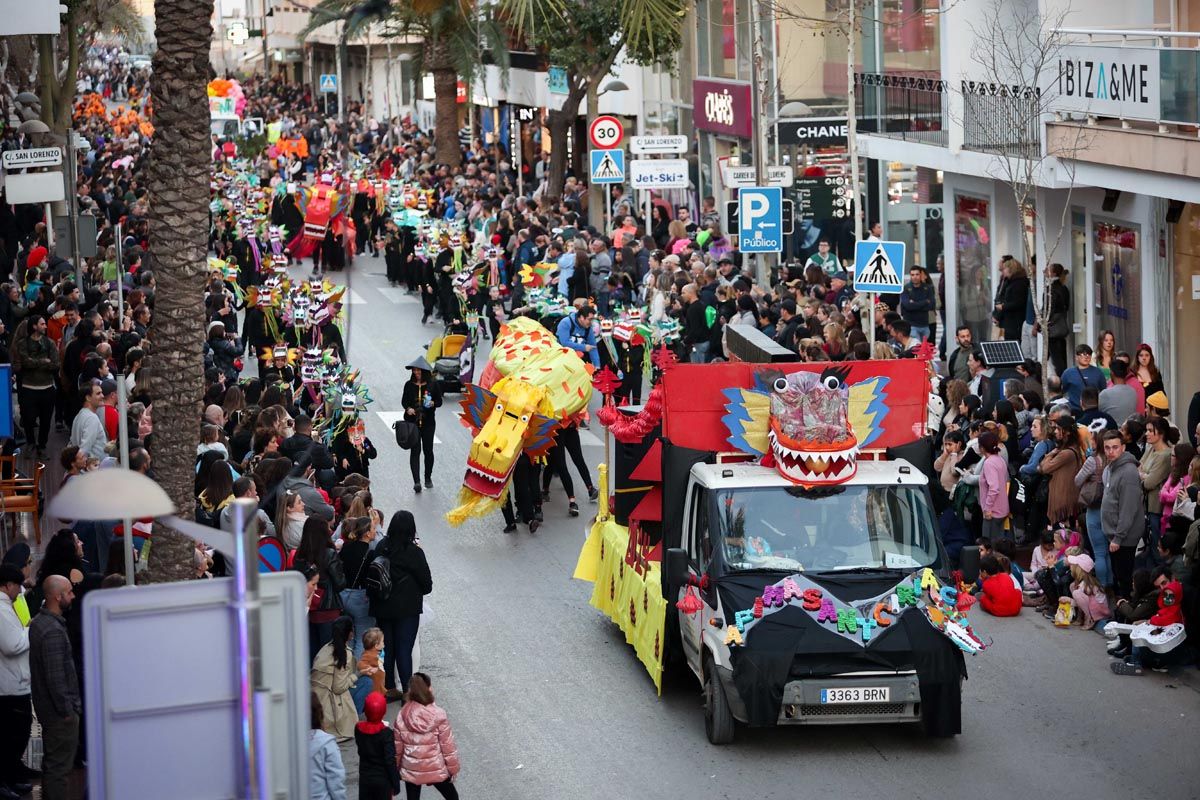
{"x":1006,"y":117}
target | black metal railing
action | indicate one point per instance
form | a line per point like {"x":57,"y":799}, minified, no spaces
{"x":1006,"y":120}
{"x":908,"y":107}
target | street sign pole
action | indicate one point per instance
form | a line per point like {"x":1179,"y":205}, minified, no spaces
{"x":852,"y":154}
{"x":761,"y":270}
{"x":73,"y":207}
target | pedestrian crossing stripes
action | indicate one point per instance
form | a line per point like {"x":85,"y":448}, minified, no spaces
{"x":390,"y":417}
{"x":398,"y":295}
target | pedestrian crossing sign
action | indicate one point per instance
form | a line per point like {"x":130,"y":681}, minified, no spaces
{"x":328,"y":82}
{"x":878,"y":266}
{"x":608,"y":166}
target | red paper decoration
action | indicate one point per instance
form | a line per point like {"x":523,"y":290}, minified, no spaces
{"x":690,"y":603}
{"x":664,"y":357}
{"x":605,"y":382}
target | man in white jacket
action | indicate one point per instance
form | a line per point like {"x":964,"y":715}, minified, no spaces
{"x":16,"y":709}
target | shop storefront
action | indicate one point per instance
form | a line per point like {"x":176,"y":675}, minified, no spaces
{"x":1184,"y":379}
{"x":724,"y":127}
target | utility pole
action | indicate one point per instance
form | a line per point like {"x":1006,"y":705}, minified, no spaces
{"x":852,"y":154}
{"x":266,"y":58}
{"x":758,"y":87}
{"x":341,"y":90}
{"x":73,"y":206}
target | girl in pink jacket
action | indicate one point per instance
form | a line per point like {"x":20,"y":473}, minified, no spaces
{"x":425,"y":748}
{"x":993,"y":487}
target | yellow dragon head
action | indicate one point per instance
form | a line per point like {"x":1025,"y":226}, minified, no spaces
{"x":512,"y":422}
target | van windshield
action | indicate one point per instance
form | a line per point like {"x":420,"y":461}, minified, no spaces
{"x":792,"y":529}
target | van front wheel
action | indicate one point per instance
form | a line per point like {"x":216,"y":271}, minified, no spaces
{"x":718,"y":719}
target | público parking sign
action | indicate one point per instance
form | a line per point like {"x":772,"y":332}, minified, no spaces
{"x":760,"y":219}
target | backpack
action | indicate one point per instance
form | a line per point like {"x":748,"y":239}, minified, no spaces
{"x":378,"y":580}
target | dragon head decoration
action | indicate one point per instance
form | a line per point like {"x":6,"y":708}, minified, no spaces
{"x":810,"y":424}
{"x":512,"y":422}
{"x":540,"y":385}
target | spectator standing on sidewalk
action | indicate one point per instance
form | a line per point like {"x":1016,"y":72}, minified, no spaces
{"x":16,"y":711}
{"x":55,"y":688}
{"x":1121,"y":511}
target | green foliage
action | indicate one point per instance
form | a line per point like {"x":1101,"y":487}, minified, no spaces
{"x":599,"y":28}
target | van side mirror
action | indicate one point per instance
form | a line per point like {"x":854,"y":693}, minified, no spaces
{"x":677,"y":567}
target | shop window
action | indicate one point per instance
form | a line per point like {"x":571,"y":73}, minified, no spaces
{"x":1117,"y":274}
{"x":973,"y":264}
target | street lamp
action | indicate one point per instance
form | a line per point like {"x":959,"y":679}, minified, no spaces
{"x":122,"y":493}
{"x":616,"y":85}
{"x":794,"y":108}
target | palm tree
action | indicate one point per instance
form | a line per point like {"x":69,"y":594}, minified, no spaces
{"x":455,"y":37}
{"x":177,"y":179}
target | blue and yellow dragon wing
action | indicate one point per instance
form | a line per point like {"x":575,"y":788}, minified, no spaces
{"x":539,"y":437}
{"x":868,"y":409}
{"x":748,"y":419}
{"x":476,"y":405}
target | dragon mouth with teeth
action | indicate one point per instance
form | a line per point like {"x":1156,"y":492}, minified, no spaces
{"x":810,"y":434}
{"x":813,"y":463}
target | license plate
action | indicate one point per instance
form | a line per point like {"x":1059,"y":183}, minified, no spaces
{"x":856,"y":694}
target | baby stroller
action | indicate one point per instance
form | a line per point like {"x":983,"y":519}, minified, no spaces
{"x":453,"y":358}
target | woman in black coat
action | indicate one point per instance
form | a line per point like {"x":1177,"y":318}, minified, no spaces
{"x":420,"y":399}
{"x":1012,"y":301}
{"x":399,"y":616}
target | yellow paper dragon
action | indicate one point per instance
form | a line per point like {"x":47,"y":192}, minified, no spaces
{"x":531,"y":386}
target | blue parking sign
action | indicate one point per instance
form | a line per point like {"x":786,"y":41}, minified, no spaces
{"x":760,"y":219}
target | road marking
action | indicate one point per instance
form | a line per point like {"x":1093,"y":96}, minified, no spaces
{"x":398,"y":294}
{"x":352,"y":298}
{"x":390,"y":417}
{"x":586,"y":437}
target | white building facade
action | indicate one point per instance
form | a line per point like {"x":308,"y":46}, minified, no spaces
{"x":1114,"y":162}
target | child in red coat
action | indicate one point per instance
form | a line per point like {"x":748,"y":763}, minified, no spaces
{"x":998,"y":594}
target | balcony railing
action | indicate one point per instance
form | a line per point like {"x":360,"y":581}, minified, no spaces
{"x":1006,"y":120}
{"x":908,"y":107}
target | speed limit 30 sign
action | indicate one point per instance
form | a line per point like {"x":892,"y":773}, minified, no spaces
{"x":606,"y":132}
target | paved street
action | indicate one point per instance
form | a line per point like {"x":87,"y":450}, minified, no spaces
{"x":548,"y":702}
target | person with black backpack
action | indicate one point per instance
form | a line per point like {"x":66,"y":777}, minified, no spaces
{"x":397,"y":607}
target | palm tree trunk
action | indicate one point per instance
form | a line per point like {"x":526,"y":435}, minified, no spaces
{"x":177,"y":177}
{"x":445,"y":100}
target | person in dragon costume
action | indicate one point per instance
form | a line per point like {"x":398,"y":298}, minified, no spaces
{"x":530,"y":387}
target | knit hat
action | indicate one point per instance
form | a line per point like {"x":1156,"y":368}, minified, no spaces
{"x":1158,"y":400}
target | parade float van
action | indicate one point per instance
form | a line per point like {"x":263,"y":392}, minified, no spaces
{"x":771,"y":534}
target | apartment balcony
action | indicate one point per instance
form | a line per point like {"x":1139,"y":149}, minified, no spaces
{"x":907,"y":107}
{"x":1002,"y":120}
{"x":1145,"y":115}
